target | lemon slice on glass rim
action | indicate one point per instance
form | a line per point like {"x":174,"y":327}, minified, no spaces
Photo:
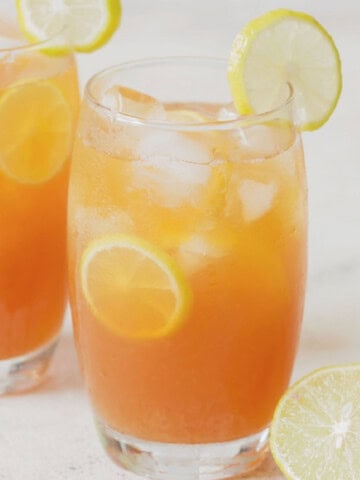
{"x":282,"y":47}
{"x":82,"y":24}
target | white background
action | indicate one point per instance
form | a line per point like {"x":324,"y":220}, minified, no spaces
{"x":48,"y":434}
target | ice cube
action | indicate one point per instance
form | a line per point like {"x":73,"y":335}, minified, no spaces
{"x":133,"y":103}
{"x":227,"y":112}
{"x":196,"y":252}
{"x":111,"y":99}
{"x":262,"y":141}
{"x":256,"y":198}
{"x":173,"y":168}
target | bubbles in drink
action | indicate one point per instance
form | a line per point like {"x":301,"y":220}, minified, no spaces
{"x":288,"y":160}
{"x":95,"y":222}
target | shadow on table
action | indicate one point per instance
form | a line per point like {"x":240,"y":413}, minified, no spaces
{"x":64,"y":372}
{"x":267,"y":471}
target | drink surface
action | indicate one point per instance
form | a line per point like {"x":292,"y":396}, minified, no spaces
{"x":229,"y":207}
{"x":38,"y":109}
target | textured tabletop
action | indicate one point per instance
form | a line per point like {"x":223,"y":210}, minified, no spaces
{"x":48,"y":434}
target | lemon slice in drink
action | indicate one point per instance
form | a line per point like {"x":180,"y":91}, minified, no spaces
{"x":185,"y":116}
{"x":133,"y":288}
{"x":282,"y":47}
{"x":315,"y":430}
{"x":35,"y":131}
{"x":131,"y":102}
{"x":88,"y":24}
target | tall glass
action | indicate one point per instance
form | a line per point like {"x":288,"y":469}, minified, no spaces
{"x":187,"y":256}
{"x":38,"y":109}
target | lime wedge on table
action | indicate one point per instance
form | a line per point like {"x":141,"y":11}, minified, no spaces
{"x":315,"y":432}
{"x":133,"y":288}
{"x":88,"y":24}
{"x":281,"y":47}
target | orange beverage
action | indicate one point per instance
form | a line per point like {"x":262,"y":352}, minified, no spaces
{"x":187,"y":243}
{"x":38,"y":110}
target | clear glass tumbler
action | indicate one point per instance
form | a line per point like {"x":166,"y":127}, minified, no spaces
{"x":38,"y":110}
{"x":187,"y":259}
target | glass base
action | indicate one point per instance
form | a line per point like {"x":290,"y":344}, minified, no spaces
{"x":27,"y":371}
{"x":164,"y":461}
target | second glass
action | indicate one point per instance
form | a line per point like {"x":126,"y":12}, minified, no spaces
{"x":38,"y":110}
{"x":187,"y":244}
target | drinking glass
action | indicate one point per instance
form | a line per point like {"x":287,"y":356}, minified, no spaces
{"x":38,"y":110}
{"x":187,"y":259}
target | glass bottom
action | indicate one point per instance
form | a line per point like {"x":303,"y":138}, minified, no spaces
{"x":23,"y":373}
{"x":164,"y":461}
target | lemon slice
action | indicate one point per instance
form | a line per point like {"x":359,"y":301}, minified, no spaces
{"x":185,"y":116}
{"x":315,"y":432}
{"x":133,"y":288}
{"x":35,"y":131}
{"x":131,"y":102}
{"x":282,"y":47}
{"x":86,"y":25}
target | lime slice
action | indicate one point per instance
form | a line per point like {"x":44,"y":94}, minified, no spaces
{"x":282,"y":47}
{"x":86,"y":25}
{"x":35,"y":131}
{"x":133,"y":288}
{"x":315,"y":432}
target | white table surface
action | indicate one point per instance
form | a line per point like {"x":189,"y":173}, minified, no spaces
{"x":48,"y":434}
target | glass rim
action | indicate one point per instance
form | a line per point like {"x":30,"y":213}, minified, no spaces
{"x":36,"y":44}
{"x":221,"y":124}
